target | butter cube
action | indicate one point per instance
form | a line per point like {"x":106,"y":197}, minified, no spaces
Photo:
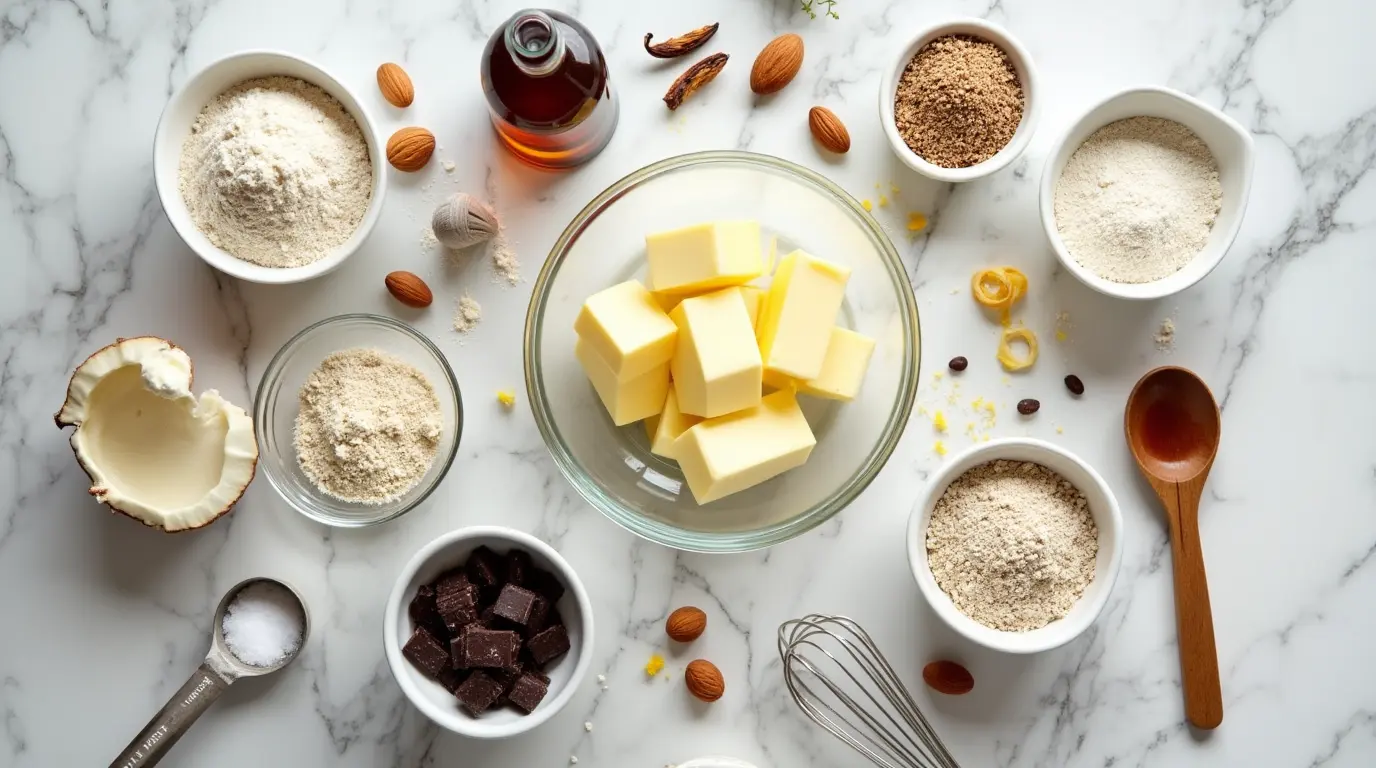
{"x":626,"y":400}
{"x":704,"y":256}
{"x":843,"y":369}
{"x":799,"y":313}
{"x":775,"y":380}
{"x":730,"y":453}
{"x":716,"y":367}
{"x":754,"y":299}
{"x":627,"y":329}
{"x":665,"y":428}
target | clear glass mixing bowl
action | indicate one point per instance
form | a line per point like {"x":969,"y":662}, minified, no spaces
{"x":612,"y":467}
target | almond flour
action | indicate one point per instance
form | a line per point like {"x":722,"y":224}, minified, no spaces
{"x":1013,"y":544}
{"x":369,"y":426}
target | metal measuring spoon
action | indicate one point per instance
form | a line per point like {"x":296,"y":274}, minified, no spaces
{"x":205,"y":685}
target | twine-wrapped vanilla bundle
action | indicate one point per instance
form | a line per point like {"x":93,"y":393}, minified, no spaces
{"x":462,"y":221}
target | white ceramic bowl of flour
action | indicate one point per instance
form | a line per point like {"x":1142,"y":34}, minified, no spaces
{"x":1102,"y":506}
{"x":175,"y":126}
{"x":1231,"y":146}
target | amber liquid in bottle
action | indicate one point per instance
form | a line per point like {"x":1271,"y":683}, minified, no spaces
{"x":545,"y":79}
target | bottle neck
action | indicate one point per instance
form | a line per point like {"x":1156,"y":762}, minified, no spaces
{"x":535,"y":43}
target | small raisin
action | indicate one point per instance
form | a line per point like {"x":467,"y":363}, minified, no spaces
{"x":1073,"y":383}
{"x":1028,"y":406}
{"x":958,"y":363}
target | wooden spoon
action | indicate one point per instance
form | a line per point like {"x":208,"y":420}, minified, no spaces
{"x":1173,"y":428}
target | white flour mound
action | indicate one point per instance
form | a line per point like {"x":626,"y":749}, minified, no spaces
{"x":276,"y":172}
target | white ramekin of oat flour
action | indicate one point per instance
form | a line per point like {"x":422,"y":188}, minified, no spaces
{"x":175,"y":125}
{"x":1103,"y":507}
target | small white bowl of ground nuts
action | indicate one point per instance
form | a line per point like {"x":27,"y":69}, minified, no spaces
{"x":1016,"y":544}
{"x":959,"y":100}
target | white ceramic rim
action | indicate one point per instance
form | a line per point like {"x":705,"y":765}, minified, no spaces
{"x":175,"y":208}
{"x":1051,"y":636}
{"x":1166,"y":286}
{"x":1027,"y":74}
{"x":455,"y":720}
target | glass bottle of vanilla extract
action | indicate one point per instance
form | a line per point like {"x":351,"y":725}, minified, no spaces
{"x":546,"y":84}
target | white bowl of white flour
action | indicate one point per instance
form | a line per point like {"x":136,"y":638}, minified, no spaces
{"x":268,"y":167}
{"x":1016,"y":544}
{"x":1144,"y":194}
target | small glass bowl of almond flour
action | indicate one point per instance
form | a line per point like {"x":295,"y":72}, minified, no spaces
{"x":358,"y":420}
{"x":1016,"y":544}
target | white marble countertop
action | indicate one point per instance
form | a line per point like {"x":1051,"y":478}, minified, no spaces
{"x":101,"y":619}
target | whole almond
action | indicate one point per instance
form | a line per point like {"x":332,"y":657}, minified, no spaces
{"x":704,"y":680}
{"x":410,"y":149}
{"x":777,"y":64}
{"x":409,"y":289}
{"x":685,"y":624}
{"x":395,"y":85}
{"x":828,"y":129}
{"x":948,"y":677}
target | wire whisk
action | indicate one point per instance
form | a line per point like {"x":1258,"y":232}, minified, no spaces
{"x":842,"y":682}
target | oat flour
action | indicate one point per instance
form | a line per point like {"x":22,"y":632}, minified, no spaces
{"x":369,"y":426}
{"x":1013,"y":544}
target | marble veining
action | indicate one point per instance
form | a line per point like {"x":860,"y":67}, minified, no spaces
{"x":102,"y":619}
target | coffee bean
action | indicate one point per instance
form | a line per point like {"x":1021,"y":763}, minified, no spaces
{"x":958,"y":363}
{"x":1073,"y":383}
{"x":1028,"y":407}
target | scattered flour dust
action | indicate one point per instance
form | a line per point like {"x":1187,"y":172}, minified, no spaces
{"x":1013,"y":544}
{"x":369,"y":426}
{"x":1165,"y":335}
{"x":275,"y":172}
{"x":467,"y":314}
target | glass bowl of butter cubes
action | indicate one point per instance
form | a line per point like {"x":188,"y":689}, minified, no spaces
{"x":722,"y":351}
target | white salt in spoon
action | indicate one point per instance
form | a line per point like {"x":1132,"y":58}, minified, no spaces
{"x":259,"y":635}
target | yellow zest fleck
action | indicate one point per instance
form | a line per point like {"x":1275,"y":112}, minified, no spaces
{"x":883,"y":201}
{"x":1060,"y":431}
{"x":655,"y":665}
{"x":916,"y":222}
{"x":894,"y":190}
{"x":506,"y":397}
{"x":989,"y":408}
{"x":1060,"y":335}
{"x":938,"y":375}
{"x":939,"y":448}
{"x":939,"y":421}
{"x":867,"y":205}
{"x":976,"y":403}
{"x":1007,"y":359}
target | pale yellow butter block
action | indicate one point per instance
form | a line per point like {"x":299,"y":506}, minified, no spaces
{"x":799,"y":313}
{"x":730,"y":453}
{"x":843,"y":369}
{"x":704,"y":256}
{"x":627,"y":329}
{"x":754,"y":299}
{"x":716,"y":367}
{"x":626,"y":400}
{"x":669,"y":425}
{"x":775,"y":380}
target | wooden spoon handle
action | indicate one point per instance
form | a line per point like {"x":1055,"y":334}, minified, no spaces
{"x":1194,"y":618}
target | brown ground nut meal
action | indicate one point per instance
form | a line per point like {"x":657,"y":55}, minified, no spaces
{"x":959,"y":101}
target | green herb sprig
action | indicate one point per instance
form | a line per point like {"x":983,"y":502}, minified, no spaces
{"x":827,"y":7}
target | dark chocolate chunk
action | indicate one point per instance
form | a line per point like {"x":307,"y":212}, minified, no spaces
{"x":547,"y":584}
{"x":515,"y":604}
{"x":426,"y":653}
{"x":539,"y":616}
{"x":478,"y":693}
{"x":484,"y":567}
{"x":452,"y":678}
{"x":458,"y":618}
{"x":424,"y":613}
{"x":488,"y":647}
{"x":452,"y":580}
{"x":549,"y":644}
{"x":519,"y":567}
{"x":527,"y":692}
{"x":464,"y":596}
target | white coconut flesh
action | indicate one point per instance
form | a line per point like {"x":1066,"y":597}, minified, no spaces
{"x":152,"y":449}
